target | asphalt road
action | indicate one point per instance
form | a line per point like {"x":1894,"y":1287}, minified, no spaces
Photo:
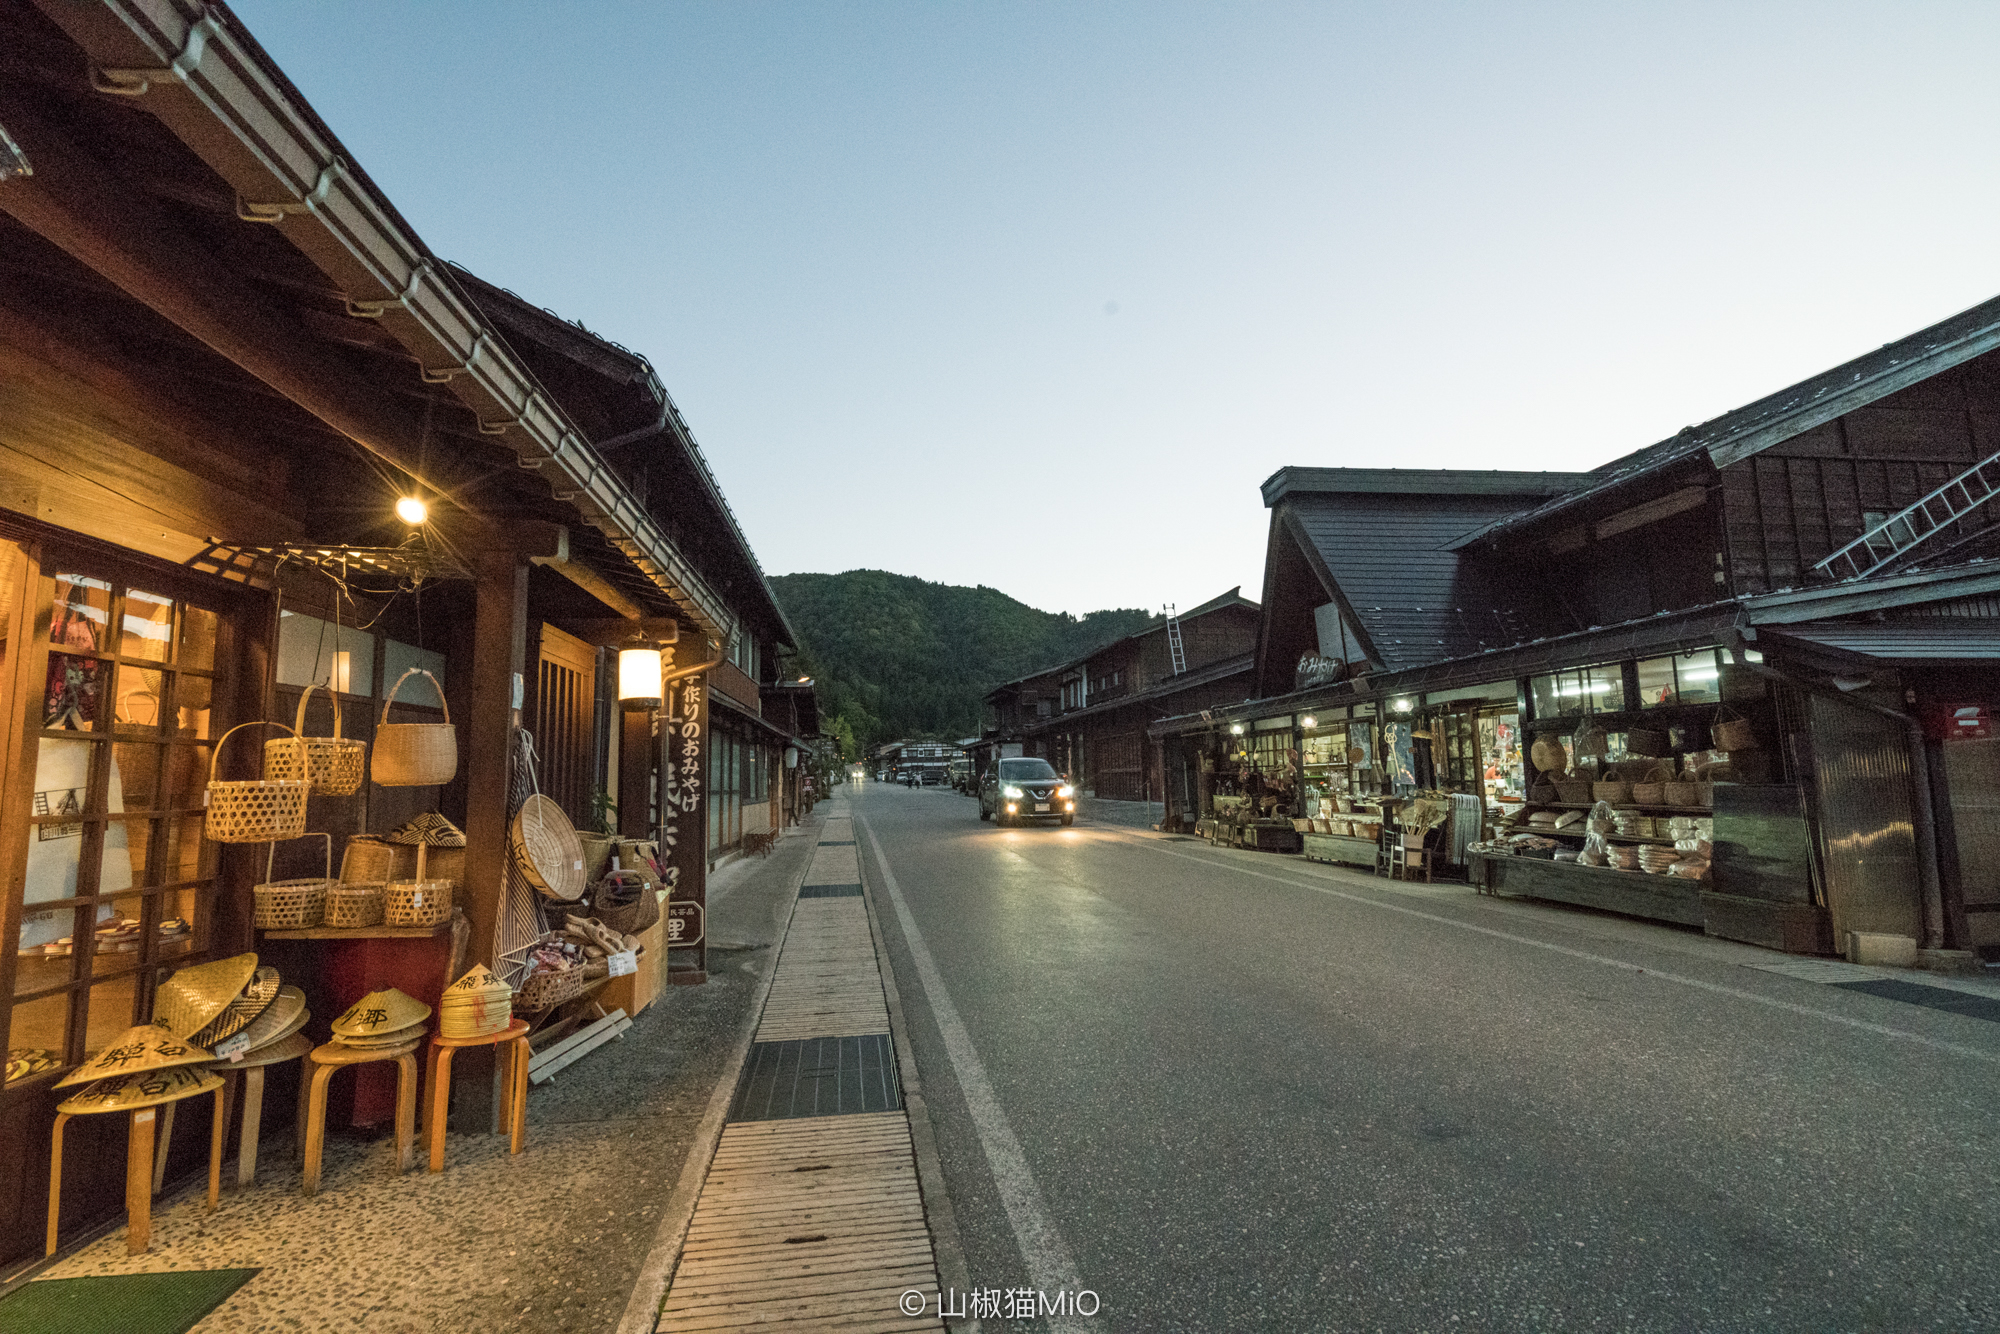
{"x":1235,"y":1091}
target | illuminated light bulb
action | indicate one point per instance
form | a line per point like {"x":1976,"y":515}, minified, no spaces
{"x":412,"y":511}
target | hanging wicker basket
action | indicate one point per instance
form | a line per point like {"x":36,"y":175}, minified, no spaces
{"x":1734,"y":732}
{"x":257,"y":810}
{"x":415,"y":754}
{"x":547,"y":849}
{"x":1645,"y":741}
{"x":291,"y":905}
{"x":1549,"y":755}
{"x":1592,"y":743}
{"x":333,"y":764}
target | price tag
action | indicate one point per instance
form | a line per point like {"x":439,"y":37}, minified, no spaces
{"x":623,"y":964}
{"x":232,"y":1048}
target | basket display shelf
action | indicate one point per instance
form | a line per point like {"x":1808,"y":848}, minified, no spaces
{"x":357,"y":932}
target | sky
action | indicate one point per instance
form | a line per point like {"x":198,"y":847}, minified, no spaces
{"x":1035,"y":295}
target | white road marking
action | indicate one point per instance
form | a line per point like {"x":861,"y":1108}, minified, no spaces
{"x":1715,"y":988}
{"x":1050,"y":1266}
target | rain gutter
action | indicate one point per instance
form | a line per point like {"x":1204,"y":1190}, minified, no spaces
{"x":223,"y":97}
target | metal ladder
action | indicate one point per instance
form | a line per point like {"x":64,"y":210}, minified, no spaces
{"x":1894,"y":537}
{"x":1175,"y":650}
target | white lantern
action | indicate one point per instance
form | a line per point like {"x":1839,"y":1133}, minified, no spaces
{"x":639,"y":676}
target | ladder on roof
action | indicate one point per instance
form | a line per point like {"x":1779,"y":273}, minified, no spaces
{"x":1897,"y":535}
{"x":1175,"y":649}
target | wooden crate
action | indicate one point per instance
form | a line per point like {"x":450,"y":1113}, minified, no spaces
{"x":636,"y":991}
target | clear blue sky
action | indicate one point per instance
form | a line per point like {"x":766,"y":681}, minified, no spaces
{"x":1035,"y":295}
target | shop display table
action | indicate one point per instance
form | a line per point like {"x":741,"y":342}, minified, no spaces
{"x":321,"y":1064}
{"x":514,"y":1092}
{"x":140,"y":1172}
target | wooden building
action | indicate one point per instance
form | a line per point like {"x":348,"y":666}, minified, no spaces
{"x":224,"y":360}
{"x":1088,"y":717}
{"x":1815,"y":564}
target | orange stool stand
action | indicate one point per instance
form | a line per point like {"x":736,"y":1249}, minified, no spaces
{"x":141,"y":1173}
{"x":321,"y":1063}
{"x":514,"y":1091}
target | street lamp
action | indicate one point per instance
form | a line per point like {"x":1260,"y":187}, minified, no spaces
{"x":639,"y":676}
{"x":412,"y":511}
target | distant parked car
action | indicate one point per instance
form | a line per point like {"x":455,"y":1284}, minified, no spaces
{"x":1019,"y":790}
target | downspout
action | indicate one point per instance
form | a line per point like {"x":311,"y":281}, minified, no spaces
{"x":1931,"y":891}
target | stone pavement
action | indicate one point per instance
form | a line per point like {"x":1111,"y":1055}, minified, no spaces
{"x":548,"y":1242}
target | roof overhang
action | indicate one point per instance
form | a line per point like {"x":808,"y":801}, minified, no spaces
{"x":221,"y":95}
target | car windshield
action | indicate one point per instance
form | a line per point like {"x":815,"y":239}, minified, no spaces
{"x":1025,"y":771}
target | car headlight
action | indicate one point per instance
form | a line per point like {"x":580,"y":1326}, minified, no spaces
{"x":1013,"y":792}
{"x":1065,"y":791}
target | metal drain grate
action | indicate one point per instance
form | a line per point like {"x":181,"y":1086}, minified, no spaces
{"x":1931,"y":998}
{"x":818,"y":1077}
{"x":830,"y":892}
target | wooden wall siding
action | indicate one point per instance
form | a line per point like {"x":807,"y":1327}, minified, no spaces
{"x":565,"y":735}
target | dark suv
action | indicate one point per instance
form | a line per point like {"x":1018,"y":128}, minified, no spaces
{"x":1019,"y":790}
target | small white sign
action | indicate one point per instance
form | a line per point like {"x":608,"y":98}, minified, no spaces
{"x":623,"y":964}
{"x":232,"y":1048}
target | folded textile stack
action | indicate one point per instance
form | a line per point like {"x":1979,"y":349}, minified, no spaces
{"x":1655,"y":858}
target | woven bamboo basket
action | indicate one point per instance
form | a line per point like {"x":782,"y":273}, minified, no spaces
{"x":1649,"y":794}
{"x":356,"y":904}
{"x":1549,"y":755}
{"x":415,"y":754}
{"x":1611,"y":791}
{"x":1733,"y":733}
{"x":546,"y":849}
{"x":416,"y":902}
{"x":333,"y":764}
{"x":1572,"y":792}
{"x":367,"y":860}
{"x":1592,"y":743}
{"x":291,"y":905}
{"x":256,"y":810}
{"x":1645,"y":741}
{"x":1683,"y":793}
{"x":546,"y":990}
{"x":643,"y":909}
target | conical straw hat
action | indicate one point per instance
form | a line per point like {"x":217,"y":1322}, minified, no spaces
{"x":478,"y":984}
{"x":140,"y":1048}
{"x":384,"y":1011}
{"x":431,"y":830}
{"x":141,"y":1089}
{"x":277,"y":1021}
{"x":186,"y":1002}
{"x":287,"y":1048}
{"x":244,"y":1007}
{"x":373,"y":1041}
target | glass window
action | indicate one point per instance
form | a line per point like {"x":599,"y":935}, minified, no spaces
{"x":1686,"y":678}
{"x":316,"y":652}
{"x":37,"y":1035}
{"x":1656,"y":682}
{"x":147,"y":626}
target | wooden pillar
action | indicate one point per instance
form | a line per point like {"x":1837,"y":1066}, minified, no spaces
{"x":637,"y":759}
{"x":499,"y":658}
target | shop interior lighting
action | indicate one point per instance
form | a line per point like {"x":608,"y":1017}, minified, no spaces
{"x":1236,"y":729}
{"x":1404,"y":705}
{"x":1309,"y":722}
{"x":412,"y":511}
{"x":639,"y":676}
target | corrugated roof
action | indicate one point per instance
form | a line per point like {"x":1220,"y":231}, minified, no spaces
{"x":1219,"y":670}
{"x":1798,"y":408}
{"x":1389,"y":554}
{"x":1906,"y":642}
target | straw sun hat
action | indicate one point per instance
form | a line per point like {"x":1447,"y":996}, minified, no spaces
{"x":379,"y":1014}
{"x":284,"y":1016}
{"x":141,"y":1089}
{"x":243,"y":1008}
{"x":141,"y":1048}
{"x":192,"y":998}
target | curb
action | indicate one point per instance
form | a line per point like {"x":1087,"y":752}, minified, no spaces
{"x":649,"y":1290}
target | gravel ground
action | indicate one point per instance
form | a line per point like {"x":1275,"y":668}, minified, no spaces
{"x":549,"y":1241}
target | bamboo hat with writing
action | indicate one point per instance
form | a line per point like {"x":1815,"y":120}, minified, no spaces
{"x":243,"y":1008}
{"x":385,"y":1011}
{"x":188,"y":1001}
{"x":140,"y":1048}
{"x":142,"y":1088}
{"x":284,"y":1016}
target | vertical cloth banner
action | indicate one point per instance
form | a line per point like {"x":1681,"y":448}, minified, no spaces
{"x":684,"y":825}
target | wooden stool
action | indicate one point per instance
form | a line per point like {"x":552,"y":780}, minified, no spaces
{"x":321,"y":1063}
{"x":513,"y":1091}
{"x":251,"y":1068}
{"x":142,"y":1174}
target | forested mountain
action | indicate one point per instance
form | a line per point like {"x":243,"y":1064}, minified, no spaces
{"x":895,"y":656}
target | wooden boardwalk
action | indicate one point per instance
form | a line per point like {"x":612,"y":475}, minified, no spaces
{"x":812,"y":1222}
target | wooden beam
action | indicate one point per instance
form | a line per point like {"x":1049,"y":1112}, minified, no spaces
{"x":595,"y":584}
{"x":619,"y":634}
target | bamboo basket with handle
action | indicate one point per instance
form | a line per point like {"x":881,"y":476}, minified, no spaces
{"x":257,"y":810}
{"x":286,"y":905}
{"x":1733,"y":732}
{"x":333,"y":764}
{"x":415,"y":754}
